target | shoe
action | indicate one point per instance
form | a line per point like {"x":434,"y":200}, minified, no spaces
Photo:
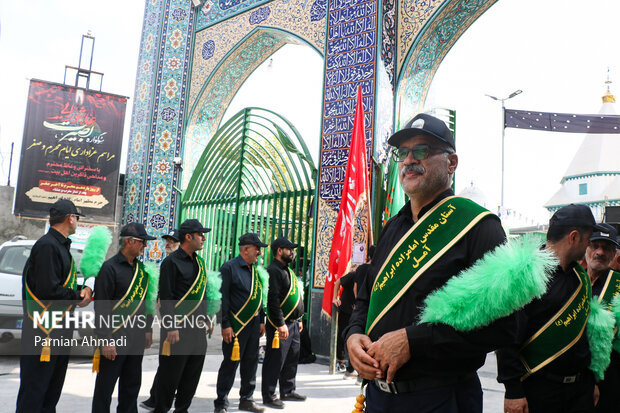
{"x":250,"y":406}
{"x":274,"y":404}
{"x":220,"y":410}
{"x":148,"y":404}
{"x":295,"y":397}
{"x":350,"y":374}
{"x":340,"y":367}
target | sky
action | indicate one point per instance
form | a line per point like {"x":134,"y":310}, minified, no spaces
{"x":556,"y":51}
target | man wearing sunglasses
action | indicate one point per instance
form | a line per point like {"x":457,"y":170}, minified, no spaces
{"x":429,"y":366}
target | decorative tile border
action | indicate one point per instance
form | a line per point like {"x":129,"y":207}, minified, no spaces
{"x":215,"y":11}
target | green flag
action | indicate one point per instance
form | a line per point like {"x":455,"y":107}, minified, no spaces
{"x":395,"y":195}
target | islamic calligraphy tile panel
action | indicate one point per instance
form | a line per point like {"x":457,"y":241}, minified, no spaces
{"x":213,"y":11}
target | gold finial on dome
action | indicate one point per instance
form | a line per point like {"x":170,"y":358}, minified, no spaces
{"x":608,"y":97}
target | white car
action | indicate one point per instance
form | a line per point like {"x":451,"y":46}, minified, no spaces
{"x":13,"y":257}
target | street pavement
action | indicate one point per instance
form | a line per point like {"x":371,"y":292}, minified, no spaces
{"x":325,"y":392}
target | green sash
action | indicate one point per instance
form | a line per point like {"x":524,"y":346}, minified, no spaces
{"x":241,"y":318}
{"x":133,"y":298}
{"x":427,"y":241}
{"x":194,"y":296}
{"x":290,"y":302}
{"x":610,"y":290}
{"x":34,"y":304}
{"x":562,"y":331}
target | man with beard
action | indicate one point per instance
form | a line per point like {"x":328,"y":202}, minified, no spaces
{"x":605,"y":285}
{"x":285,"y":307}
{"x":243,"y":323}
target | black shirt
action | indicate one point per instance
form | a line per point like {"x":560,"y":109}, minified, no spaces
{"x":347,"y":298}
{"x":437,"y":350}
{"x":236,"y":287}
{"x":111,"y":285}
{"x":531,"y":318}
{"x":177,"y":274}
{"x":279,"y":284}
{"x":597,"y":286}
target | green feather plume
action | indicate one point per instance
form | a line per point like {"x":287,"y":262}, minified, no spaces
{"x":213,"y":294}
{"x":600,"y":331}
{"x":501,"y":282}
{"x":615,"y":310}
{"x":151,"y":292}
{"x":95,"y":251}
{"x":264,"y":280}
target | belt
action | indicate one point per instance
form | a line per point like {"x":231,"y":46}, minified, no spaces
{"x":563,"y":379}
{"x":422,"y":383}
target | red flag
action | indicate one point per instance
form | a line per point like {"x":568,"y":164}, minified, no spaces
{"x":355,"y":195}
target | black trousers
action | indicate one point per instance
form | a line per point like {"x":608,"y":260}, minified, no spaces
{"x":463,"y":397}
{"x":552,"y":397}
{"x":343,"y":322}
{"x":280,"y":364}
{"x":609,"y":402}
{"x":180,"y":372}
{"x":40,"y":383}
{"x":127,"y":370}
{"x":248,"y":346}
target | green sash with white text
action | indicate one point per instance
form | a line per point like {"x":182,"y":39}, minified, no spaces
{"x":241,"y":318}
{"x":133,"y":298}
{"x":194,"y":296}
{"x":427,"y":241}
{"x":562,"y":331}
{"x":290,"y":302}
{"x":610,"y":290}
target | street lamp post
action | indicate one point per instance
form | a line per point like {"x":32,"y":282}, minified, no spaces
{"x":513,"y":94}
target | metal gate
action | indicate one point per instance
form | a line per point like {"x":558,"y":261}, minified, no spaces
{"x":255,"y":175}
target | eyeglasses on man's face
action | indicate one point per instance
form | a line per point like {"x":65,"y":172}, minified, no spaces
{"x":140,"y":240}
{"x":419,"y":152}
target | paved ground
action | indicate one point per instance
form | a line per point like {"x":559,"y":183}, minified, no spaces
{"x":325,"y":392}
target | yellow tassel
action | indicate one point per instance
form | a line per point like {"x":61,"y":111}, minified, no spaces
{"x":359,"y":405}
{"x":96,"y":360}
{"x":165,"y":349}
{"x":235,"y":351}
{"x":276,"y":340}
{"x":46,"y":351}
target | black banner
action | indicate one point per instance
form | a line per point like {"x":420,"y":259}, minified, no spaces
{"x":561,"y":122}
{"x":71,"y":149}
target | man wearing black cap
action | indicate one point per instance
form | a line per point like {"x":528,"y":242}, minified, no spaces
{"x":120,"y":291}
{"x":285,"y":307}
{"x":172,"y":241}
{"x":546,"y":369}
{"x":49,"y":277}
{"x":429,"y":366}
{"x":182,"y":287}
{"x":243,"y":323}
{"x":605,"y":285}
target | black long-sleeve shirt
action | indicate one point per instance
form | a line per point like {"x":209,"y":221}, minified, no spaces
{"x":236,"y":286}
{"x":531,"y":318}
{"x":347,"y":298}
{"x":111,"y":285}
{"x":177,"y":274}
{"x":437,"y":350}
{"x":279,"y":284}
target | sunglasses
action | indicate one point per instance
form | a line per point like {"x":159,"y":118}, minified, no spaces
{"x":143,"y":241}
{"x":419,"y":152}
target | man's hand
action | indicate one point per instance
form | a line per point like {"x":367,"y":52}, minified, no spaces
{"x":227,"y":335}
{"x":283,"y":331}
{"x":366,"y":366}
{"x":148,"y":340}
{"x":173,"y":337}
{"x":597,"y":394}
{"x":516,"y":405}
{"x":87,"y":296}
{"x":391,"y":351}
{"x":108,"y":352}
{"x":262,"y":329}
{"x":301,"y":326}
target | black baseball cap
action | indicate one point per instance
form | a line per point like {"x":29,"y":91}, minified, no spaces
{"x":426,"y":125}
{"x":189,"y":226}
{"x":608,"y":234}
{"x":575,"y":215}
{"x":63,"y":207}
{"x":173,"y":235}
{"x":136,"y":230}
{"x":251,"y":238}
{"x":282,"y":242}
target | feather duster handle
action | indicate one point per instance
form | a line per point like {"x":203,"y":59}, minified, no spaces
{"x":264,"y":280}
{"x":501,"y":282}
{"x":615,"y":310}
{"x":600,"y":331}
{"x":151,"y":293}
{"x":213,"y":294}
{"x":95,"y":251}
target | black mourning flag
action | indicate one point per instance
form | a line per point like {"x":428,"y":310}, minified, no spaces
{"x":561,"y":122}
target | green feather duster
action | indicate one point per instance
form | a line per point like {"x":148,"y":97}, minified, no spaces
{"x":501,"y":282}
{"x":213,"y":294}
{"x":264,"y":280}
{"x":600,"y":331}
{"x":615,"y":310}
{"x":95,"y":251}
{"x":151,"y":292}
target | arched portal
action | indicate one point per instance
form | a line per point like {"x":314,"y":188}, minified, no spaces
{"x":255,"y":175}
